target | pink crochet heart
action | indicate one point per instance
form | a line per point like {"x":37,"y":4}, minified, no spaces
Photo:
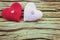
{"x":31,"y":13}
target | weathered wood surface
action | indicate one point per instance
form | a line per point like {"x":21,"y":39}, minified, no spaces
{"x":49,"y":14}
{"x":33,"y":0}
{"x":49,"y":9}
{"x":47,"y":28}
{"x":39,"y":5}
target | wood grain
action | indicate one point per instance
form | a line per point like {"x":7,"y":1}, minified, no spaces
{"x":42,"y":24}
{"x":47,"y":27}
{"x":49,"y":14}
{"x":41,"y":5}
{"x":33,"y":0}
{"x":42,"y":19}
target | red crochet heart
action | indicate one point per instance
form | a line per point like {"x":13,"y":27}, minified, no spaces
{"x":13,"y":13}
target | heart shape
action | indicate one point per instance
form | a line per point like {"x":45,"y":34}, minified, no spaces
{"x":31,"y":13}
{"x":13,"y":13}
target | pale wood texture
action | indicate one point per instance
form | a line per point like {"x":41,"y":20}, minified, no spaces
{"x":46,"y":28}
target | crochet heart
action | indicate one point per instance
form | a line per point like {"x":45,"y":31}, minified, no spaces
{"x":13,"y":13}
{"x":31,"y":13}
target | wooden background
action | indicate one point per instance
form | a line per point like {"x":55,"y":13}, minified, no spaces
{"x":46,"y":28}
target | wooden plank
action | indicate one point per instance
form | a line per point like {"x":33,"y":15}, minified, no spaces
{"x":15,"y":25}
{"x":36,"y":39}
{"x":11,"y":0}
{"x":49,"y":14}
{"x":39,"y":8}
{"x":48,"y":3}
{"x":3,"y":33}
{"x":33,"y":32}
{"x":24,"y":36}
{"x":50,"y":19}
{"x":54,"y":22}
{"x":45,"y":31}
{"x":58,"y":37}
{"x":58,"y":7}
{"x":46,"y":0}
{"x":51,"y":0}
{"x":27,"y":31}
{"x":54,"y":37}
{"x":2,"y":20}
{"x":42,"y":19}
{"x":51,"y":25}
{"x":58,"y":32}
{"x":5,"y":4}
{"x":33,"y":0}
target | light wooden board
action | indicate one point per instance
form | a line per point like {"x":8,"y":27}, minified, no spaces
{"x":46,"y":14}
{"x":47,"y":27}
{"x":42,"y":19}
{"x":33,"y":0}
{"x":19,"y":37}
{"x":49,"y":14}
{"x":41,"y":5}
{"x":42,"y":25}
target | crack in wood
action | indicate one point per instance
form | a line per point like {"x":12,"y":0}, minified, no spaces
{"x":18,"y":29}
